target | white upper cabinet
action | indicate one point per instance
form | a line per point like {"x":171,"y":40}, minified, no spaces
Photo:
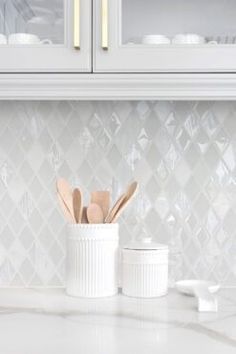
{"x":45,"y":35}
{"x":129,"y":36}
{"x":164,"y":36}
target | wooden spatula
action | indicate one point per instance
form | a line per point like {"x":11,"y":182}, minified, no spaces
{"x":102,"y":198}
{"x":95,"y":214}
{"x":123,"y":201}
{"x":114,"y":209}
{"x":65,"y":192}
{"x":65,"y":210}
{"x":77,"y":205}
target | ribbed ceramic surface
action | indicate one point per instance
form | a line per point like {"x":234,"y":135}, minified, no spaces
{"x":92,"y":260}
{"x":144,"y":275}
{"x":145,"y":256}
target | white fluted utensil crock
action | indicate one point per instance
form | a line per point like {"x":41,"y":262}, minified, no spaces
{"x":92,"y":256}
{"x":145,"y":269}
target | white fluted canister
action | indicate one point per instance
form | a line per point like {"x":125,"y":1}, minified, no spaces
{"x":145,"y":269}
{"x":92,"y":256}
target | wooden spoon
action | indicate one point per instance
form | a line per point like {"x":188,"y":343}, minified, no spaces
{"x":77,"y":205}
{"x":132,"y":188}
{"x":102,"y":198}
{"x":66,"y":212}
{"x":95,"y":214}
{"x":65,"y":192}
{"x":114,"y":209}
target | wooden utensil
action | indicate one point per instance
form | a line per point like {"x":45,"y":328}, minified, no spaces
{"x":65,"y":210}
{"x":114,"y":209}
{"x":132,"y":188}
{"x":77,"y":205}
{"x":84,"y":216}
{"x":65,"y":192}
{"x":102,"y":198}
{"x":95,"y":214}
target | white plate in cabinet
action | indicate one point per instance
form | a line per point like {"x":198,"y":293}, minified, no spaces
{"x":120,"y":27}
{"x":45,"y":36}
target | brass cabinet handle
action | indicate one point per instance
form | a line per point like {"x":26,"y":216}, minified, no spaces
{"x":104,"y":24}
{"x":77,"y":24}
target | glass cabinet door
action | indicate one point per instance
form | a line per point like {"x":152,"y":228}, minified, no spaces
{"x":45,"y":35}
{"x":165,"y":35}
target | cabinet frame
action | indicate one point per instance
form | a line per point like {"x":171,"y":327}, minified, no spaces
{"x":54,"y":58}
{"x":154,"y":59}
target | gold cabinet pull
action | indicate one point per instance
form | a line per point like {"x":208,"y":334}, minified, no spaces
{"x":104,"y":24}
{"x":77,"y":24}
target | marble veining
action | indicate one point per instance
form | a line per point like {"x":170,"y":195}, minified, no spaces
{"x":48,"y":321}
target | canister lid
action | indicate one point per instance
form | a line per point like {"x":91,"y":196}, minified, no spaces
{"x":145,"y":243}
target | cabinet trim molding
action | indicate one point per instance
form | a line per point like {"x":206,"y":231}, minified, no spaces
{"x":118,"y":86}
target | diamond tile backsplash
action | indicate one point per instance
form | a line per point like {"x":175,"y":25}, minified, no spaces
{"x":182,"y":153}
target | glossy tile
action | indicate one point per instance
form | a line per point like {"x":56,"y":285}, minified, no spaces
{"x":182,"y":153}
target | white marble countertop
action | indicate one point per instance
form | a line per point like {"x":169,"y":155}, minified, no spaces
{"x":49,"y":322}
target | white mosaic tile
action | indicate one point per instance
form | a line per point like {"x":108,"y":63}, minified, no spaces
{"x":182,"y":153}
